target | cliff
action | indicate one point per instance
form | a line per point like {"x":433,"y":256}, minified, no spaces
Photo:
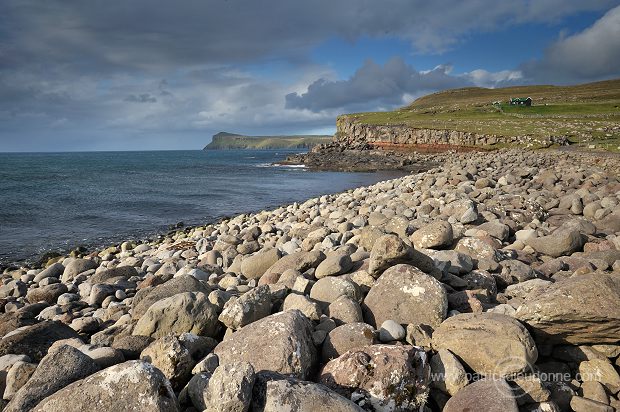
{"x":230,"y":141}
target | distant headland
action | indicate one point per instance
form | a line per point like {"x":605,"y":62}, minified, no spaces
{"x":227,"y":141}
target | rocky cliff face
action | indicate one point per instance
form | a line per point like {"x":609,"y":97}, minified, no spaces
{"x":350,"y":133}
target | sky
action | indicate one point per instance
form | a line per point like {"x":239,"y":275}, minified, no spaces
{"x":81,"y":75}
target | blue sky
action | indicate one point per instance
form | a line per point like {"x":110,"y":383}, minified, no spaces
{"x":150,"y":74}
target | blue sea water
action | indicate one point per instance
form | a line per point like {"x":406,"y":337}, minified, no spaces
{"x":57,"y":201}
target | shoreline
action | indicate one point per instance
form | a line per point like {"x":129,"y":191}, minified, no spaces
{"x":418,"y":162}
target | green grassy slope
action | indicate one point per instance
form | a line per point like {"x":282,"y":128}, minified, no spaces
{"x":588,"y":113}
{"x":224,"y":140}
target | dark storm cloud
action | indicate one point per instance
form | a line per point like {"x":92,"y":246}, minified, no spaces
{"x":141,"y":98}
{"x":374,"y":85}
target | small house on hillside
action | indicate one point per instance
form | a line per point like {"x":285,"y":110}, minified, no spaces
{"x":520,"y":101}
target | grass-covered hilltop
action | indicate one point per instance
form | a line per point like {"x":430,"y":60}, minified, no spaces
{"x":225,"y":140}
{"x":587,"y":114}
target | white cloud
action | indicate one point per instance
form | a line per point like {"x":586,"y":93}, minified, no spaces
{"x":592,"y":54}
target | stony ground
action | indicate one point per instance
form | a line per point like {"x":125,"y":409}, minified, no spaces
{"x":491,"y":283}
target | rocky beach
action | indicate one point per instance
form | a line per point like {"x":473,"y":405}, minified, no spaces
{"x":490,"y":282}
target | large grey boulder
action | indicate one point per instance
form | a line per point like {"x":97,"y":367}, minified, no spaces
{"x":386,"y":377}
{"x":583,"y":309}
{"x":172,"y":357}
{"x":35,"y":340}
{"x":406,"y":295}
{"x":561,"y":242}
{"x":146,"y":297}
{"x":48,"y":294}
{"x":229,"y":389}
{"x":434,"y":235}
{"x":253,"y":267}
{"x":329,"y":289}
{"x":184,"y":312}
{"x":484,"y":395}
{"x":281,"y":342}
{"x":58,"y":369}
{"x":388,"y":250}
{"x":250,"y":307}
{"x":131,"y":386}
{"x":489,"y":343}
{"x":117,"y":272}
{"x":300,"y":261}
{"x":335,"y":263}
{"x":274,"y":392}
{"x":75,"y":267}
{"x":345,"y":338}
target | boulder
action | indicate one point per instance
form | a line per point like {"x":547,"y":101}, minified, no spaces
{"x":17,"y":377}
{"x":183,"y":312}
{"x":171,"y":356}
{"x":327,"y":290}
{"x":347,"y":337}
{"x":387,"y":251}
{"x":131,"y":386}
{"x":300,"y":261}
{"x":345,"y":310}
{"x":385,"y":377}
{"x":54,"y":270}
{"x":117,"y":272}
{"x":56,"y":370}
{"x":489,"y":343}
{"x":406,"y":295}
{"x":432,"y":236}
{"x":281,"y":342}
{"x":48,"y":293}
{"x":230,"y":388}
{"x":579,"y":310}
{"x":309,"y":308}
{"x":77,"y":266}
{"x":335,"y":263}
{"x":35,"y":340}
{"x":448,"y":375}
{"x":253,"y":267}
{"x":279,"y":393}
{"x":250,"y":307}
{"x":146,"y":297}
{"x":561,"y":242}
{"x":484,"y":395}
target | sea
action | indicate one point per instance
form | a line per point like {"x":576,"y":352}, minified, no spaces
{"x":54,"y":202}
